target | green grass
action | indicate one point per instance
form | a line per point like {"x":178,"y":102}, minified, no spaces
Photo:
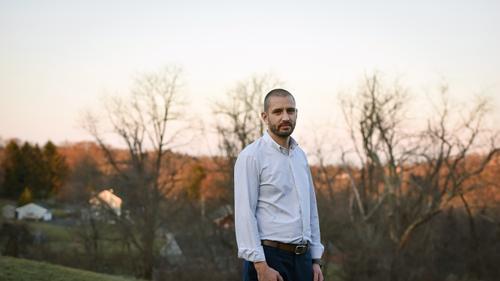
{"x":13,"y":269}
{"x":51,"y":231}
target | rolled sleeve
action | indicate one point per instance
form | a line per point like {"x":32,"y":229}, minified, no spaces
{"x":253,"y":255}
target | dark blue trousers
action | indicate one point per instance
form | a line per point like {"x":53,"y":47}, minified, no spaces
{"x":291,"y":267}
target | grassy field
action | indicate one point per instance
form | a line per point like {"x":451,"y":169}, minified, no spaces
{"x":51,"y":231}
{"x":12,"y":269}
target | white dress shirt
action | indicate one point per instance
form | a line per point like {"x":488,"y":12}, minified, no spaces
{"x":274,"y":198}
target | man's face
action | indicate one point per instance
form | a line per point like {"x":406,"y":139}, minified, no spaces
{"x":281,"y":116}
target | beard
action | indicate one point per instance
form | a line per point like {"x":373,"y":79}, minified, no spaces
{"x":277,"y":129}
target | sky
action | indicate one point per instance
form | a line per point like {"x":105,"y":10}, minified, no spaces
{"x":58,"y":58}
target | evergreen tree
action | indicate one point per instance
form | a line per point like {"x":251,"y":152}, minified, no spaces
{"x":44,"y":171}
{"x":2,"y":168}
{"x":35,"y":170}
{"x":14,"y":174}
{"x":56,"y":168}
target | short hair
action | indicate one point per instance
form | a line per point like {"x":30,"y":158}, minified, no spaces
{"x":278,"y":92}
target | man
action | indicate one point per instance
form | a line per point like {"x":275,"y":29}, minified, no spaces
{"x":276,"y":218}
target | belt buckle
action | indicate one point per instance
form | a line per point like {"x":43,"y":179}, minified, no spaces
{"x":300,"y":249}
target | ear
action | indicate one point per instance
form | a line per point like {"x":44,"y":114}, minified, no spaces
{"x":263,"y":115}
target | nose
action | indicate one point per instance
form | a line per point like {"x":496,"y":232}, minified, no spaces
{"x":286,"y":116}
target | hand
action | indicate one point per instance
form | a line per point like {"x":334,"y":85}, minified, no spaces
{"x":266,"y":273}
{"x":317,"y":274}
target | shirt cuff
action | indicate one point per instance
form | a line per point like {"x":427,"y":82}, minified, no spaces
{"x":253,"y":255}
{"x":317,"y":251}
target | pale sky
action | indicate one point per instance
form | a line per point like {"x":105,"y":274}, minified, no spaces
{"x":58,"y":58}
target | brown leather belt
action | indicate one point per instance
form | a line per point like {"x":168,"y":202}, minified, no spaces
{"x":298,"y":249}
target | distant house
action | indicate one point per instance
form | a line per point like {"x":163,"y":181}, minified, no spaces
{"x":9,"y":211}
{"x":106,"y":199}
{"x":34,"y":212}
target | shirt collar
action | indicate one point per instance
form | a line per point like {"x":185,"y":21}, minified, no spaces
{"x":275,"y":145}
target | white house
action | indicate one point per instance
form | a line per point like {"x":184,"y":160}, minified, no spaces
{"x":33,"y":211}
{"x":107,"y":199}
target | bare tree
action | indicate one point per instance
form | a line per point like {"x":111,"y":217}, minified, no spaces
{"x":238,"y":119}
{"x":405,"y":179}
{"x":374,"y":119}
{"x":452,"y":155}
{"x":144,"y":171}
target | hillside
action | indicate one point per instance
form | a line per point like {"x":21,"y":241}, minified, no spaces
{"x":13,"y":269}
